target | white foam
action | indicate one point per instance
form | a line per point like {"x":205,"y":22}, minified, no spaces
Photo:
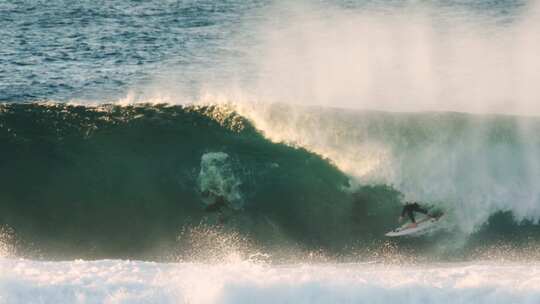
{"x":118,"y":281}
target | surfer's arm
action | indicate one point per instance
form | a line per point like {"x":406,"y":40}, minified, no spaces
{"x":422,"y":210}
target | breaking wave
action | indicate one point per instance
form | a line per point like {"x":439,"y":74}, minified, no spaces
{"x":109,"y":180}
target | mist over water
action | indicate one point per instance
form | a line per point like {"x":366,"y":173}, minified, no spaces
{"x":467,"y":56}
{"x":417,"y":56}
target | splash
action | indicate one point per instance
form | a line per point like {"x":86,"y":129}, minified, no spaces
{"x":212,"y":244}
{"x":7,"y":242}
{"x":218,"y":182}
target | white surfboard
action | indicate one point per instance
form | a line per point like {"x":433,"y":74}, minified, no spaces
{"x":423,"y":225}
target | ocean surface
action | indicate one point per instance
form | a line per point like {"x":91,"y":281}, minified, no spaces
{"x":258,"y":151}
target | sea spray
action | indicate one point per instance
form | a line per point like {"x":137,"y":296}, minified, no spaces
{"x":217,"y":180}
{"x":469,"y":165}
{"x":7,"y":242}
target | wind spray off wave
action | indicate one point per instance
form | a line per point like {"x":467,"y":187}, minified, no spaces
{"x":471,"y":165}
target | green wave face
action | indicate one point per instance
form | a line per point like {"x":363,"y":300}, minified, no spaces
{"x":119,"y":181}
{"x":125,"y":181}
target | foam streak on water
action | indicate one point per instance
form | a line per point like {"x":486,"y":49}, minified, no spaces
{"x":120,"y":281}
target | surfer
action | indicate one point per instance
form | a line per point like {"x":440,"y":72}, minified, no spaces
{"x":216,"y":204}
{"x":415,"y":228}
{"x":409,"y":209}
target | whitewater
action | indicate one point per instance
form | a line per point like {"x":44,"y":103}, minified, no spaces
{"x":258,"y":151}
{"x":117,"y":281}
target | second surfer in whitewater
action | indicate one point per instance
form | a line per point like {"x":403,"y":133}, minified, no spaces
{"x":409,"y":209}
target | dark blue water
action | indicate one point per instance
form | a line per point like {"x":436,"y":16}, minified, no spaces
{"x":98,"y":50}
{"x":61,"y":50}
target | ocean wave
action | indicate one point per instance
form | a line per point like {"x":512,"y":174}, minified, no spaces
{"x":123,"y":181}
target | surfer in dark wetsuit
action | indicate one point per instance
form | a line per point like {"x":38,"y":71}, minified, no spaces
{"x":218,"y":205}
{"x":409,"y":209}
